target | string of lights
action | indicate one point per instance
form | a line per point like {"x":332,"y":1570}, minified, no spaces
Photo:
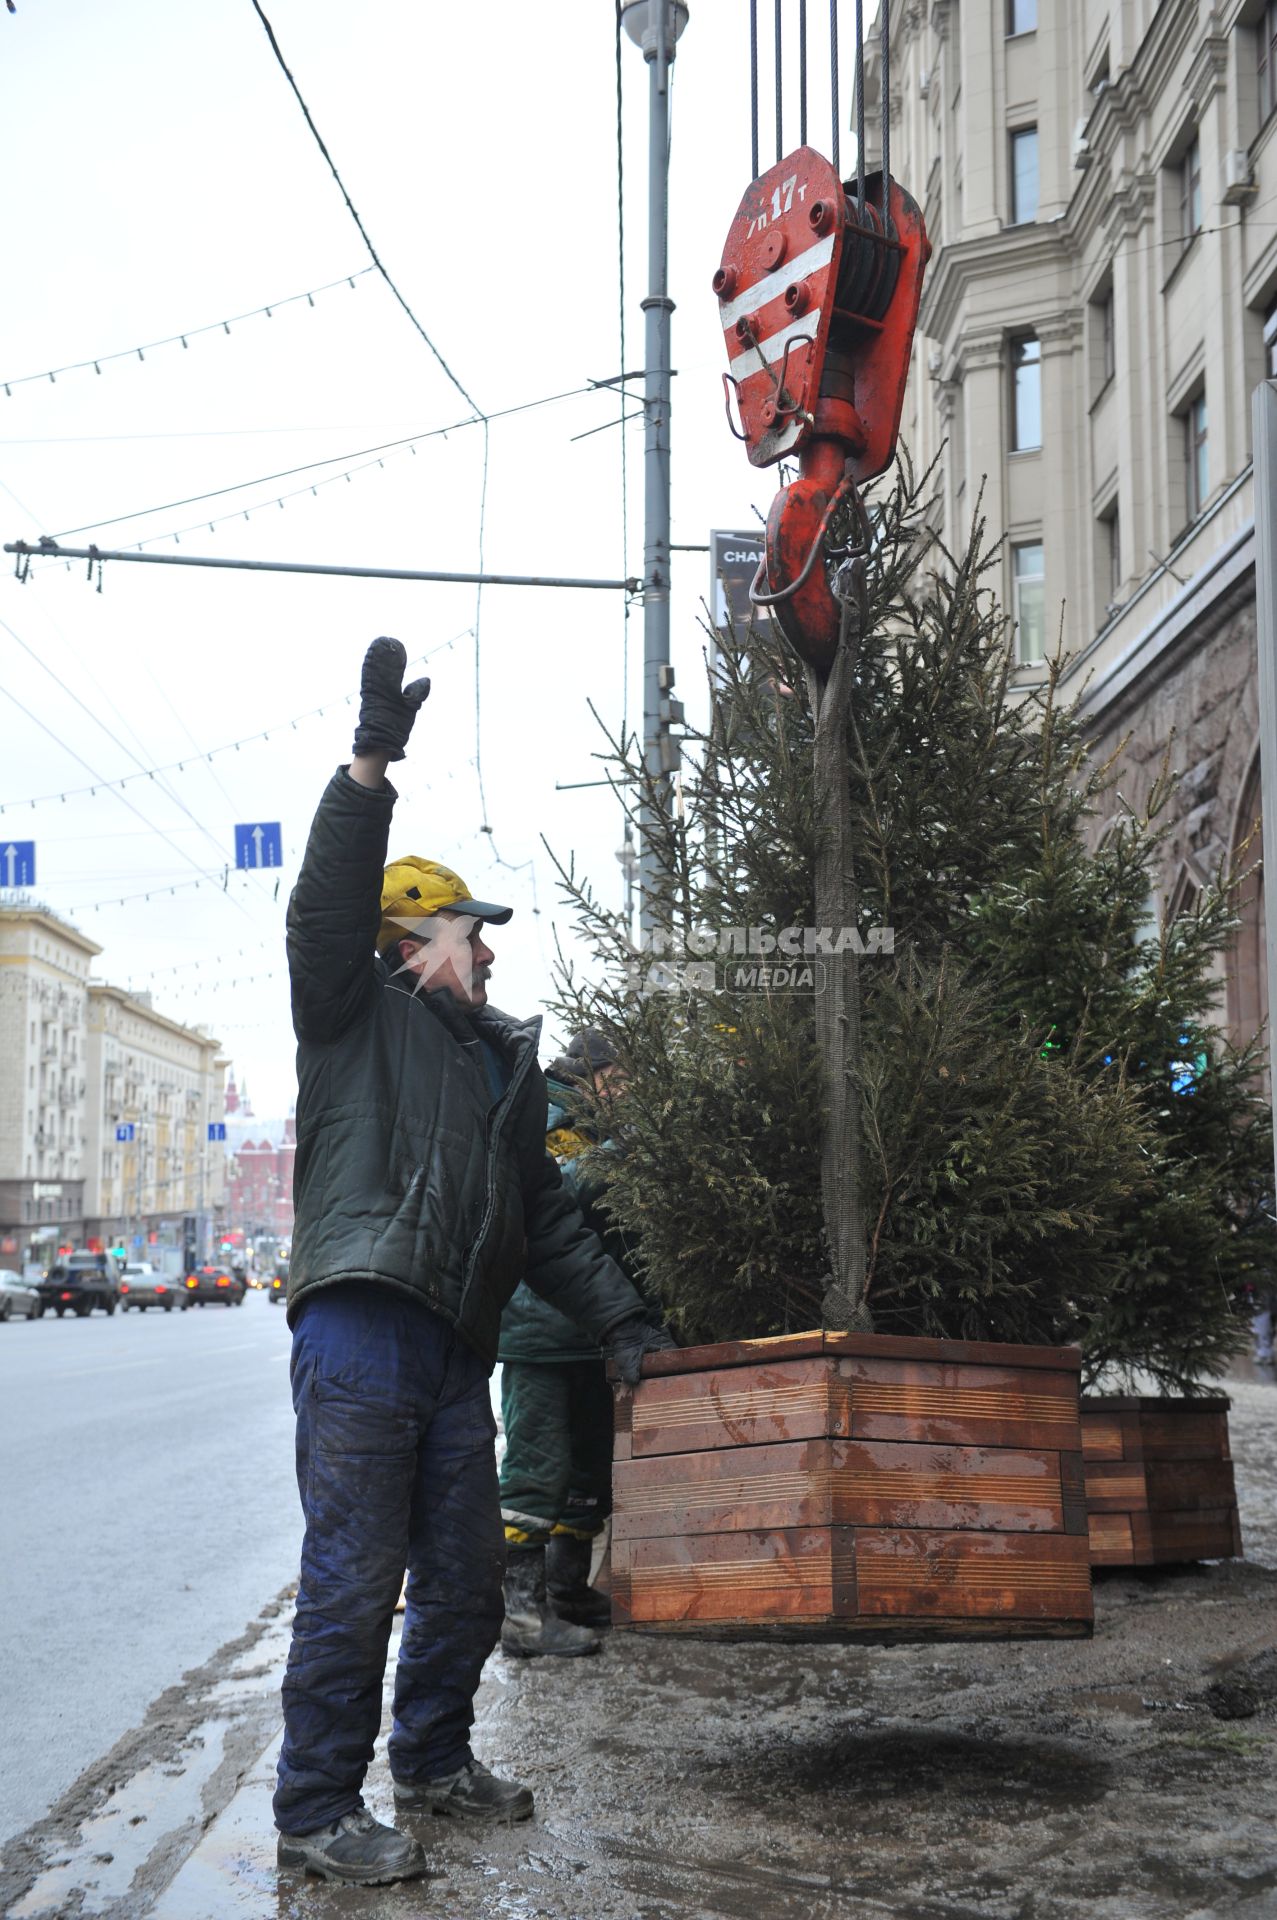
{"x":197,"y":758}
{"x":409,"y":442}
{"x":100,"y":360}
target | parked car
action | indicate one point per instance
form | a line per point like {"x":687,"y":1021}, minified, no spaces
{"x":143,"y":1286}
{"x":213,"y":1283}
{"x":81,"y":1282}
{"x":19,"y":1298}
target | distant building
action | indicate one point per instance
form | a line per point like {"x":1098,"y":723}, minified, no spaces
{"x":1098,"y":178}
{"x":164,"y":1081}
{"x":259,"y":1169}
{"x":44,"y":988}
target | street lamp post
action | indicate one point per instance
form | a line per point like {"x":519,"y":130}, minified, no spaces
{"x":655,"y":26}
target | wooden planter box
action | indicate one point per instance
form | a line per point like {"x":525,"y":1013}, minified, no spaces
{"x":1159,"y":1480}
{"x":830,"y":1485}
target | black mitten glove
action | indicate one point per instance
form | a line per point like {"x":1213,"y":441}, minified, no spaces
{"x":387,"y":708}
{"x":629,"y":1339}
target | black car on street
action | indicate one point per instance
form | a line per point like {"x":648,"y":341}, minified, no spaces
{"x":80,"y":1282}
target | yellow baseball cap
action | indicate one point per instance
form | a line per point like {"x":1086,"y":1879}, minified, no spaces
{"x":414,"y":888}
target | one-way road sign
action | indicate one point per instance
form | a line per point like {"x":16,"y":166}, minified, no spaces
{"x":259,"y":844}
{"x":17,"y":863}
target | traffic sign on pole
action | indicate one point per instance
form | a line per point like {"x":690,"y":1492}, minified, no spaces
{"x":217,"y":1129}
{"x":259,"y":843}
{"x":125,"y":1132}
{"x":17,"y":863}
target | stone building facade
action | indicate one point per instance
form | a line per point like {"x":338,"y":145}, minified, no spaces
{"x":1099,"y":180}
{"x":164,"y":1081}
{"x":79,"y":1058}
{"x":44,"y":989}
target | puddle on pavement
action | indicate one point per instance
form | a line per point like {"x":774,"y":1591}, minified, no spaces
{"x":115,"y":1842}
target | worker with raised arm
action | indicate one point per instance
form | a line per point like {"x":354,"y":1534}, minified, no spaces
{"x":423,"y":1193}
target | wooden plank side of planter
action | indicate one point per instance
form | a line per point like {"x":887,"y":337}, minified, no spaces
{"x":1195,"y":1536}
{"x":862,"y":1483}
{"x":991,"y":1405}
{"x":790,"y":1346}
{"x":1169,"y":1494}
{"x":746,"y":1406}
{"x":973,"y":1575}
{"x":778,"y":1574}
{"x":841,"y":1575}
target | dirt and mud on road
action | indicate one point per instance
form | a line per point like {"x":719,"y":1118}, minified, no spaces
{"x":1131,"y":1777}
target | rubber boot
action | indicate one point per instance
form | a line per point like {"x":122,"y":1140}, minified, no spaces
{"x":567,"y":1582}
{"x":531,"y":1627}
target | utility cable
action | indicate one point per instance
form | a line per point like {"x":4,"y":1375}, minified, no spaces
{"x":802,"y":73}
{"x":122,"y":797}
{"x":478,"y":621}
{"x":330,"y":460}
{"x":229,"y":746}
{"x":184,"y":339}
{"x":353,"y":211}
{"x":620,"y":281}
{"x":97,"y":720}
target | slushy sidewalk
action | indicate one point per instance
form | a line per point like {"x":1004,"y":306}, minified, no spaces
{"x":679,"y":1780}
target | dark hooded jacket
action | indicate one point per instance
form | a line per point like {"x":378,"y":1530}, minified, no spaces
{"x":406,"y":1173}
{"x":532,"y":1329}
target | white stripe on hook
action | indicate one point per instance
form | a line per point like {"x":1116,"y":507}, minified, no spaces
{"x":774,"y":284}
{"x":773,"y":347}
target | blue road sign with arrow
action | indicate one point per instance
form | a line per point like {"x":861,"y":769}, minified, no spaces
{"x":17,"y":863}
{"x":125,"y":1132}
{"x":217,"y":1129}
{"x":259,"y":843}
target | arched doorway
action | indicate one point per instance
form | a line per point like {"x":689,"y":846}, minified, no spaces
{"x":1248,"y":960}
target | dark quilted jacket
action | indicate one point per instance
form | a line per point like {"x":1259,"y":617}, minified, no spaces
{"x":405,"y":1172}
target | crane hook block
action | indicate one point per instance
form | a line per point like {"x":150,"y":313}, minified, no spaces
{"x":818,"y":293}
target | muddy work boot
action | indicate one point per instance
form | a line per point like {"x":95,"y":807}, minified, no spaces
{"x":567,"y":1582}
{"x":472,"y":1793}
{"x":531,"y":1626}
{"x":355,"y":1851}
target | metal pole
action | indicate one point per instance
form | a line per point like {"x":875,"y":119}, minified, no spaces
{"x":657,"y":308}
{"x":1264,"y":423}
{"x":50,"y":550}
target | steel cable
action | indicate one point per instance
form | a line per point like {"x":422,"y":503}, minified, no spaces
{"x":884,"y":8}
{"x":802,"y":73}
{"x":860,"y":107}
{"x":780,"y":142}
{"x":833,"y":80}
{"x":753,"y":85}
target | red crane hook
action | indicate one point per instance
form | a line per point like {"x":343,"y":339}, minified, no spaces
{"x":818,"y":293}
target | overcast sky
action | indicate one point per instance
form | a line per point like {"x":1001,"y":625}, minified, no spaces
{"x":161,"y":178}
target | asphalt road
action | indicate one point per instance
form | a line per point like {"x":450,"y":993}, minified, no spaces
{"x":147,"y":1510}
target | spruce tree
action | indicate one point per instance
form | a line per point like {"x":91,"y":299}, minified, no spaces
{"x":1058,"y":1140}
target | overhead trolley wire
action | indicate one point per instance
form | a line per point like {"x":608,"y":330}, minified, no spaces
{"x":375,"y":257}
{"x":332,"y":459}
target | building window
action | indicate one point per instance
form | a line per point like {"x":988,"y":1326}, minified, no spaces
{"x":1028,"y":593}
{"x":1196,"y":455}
{"x":1108,"y":341}
{"x":1190,"y":192}
{"x":1026,"y":394}
{"x":1266,"y":35}
{"x":1022,"y":16}
{"x":1109,"y":560}
{"x":1024,"y":176}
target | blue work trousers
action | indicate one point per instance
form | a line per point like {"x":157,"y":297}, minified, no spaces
{"x":396,"y":1470}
